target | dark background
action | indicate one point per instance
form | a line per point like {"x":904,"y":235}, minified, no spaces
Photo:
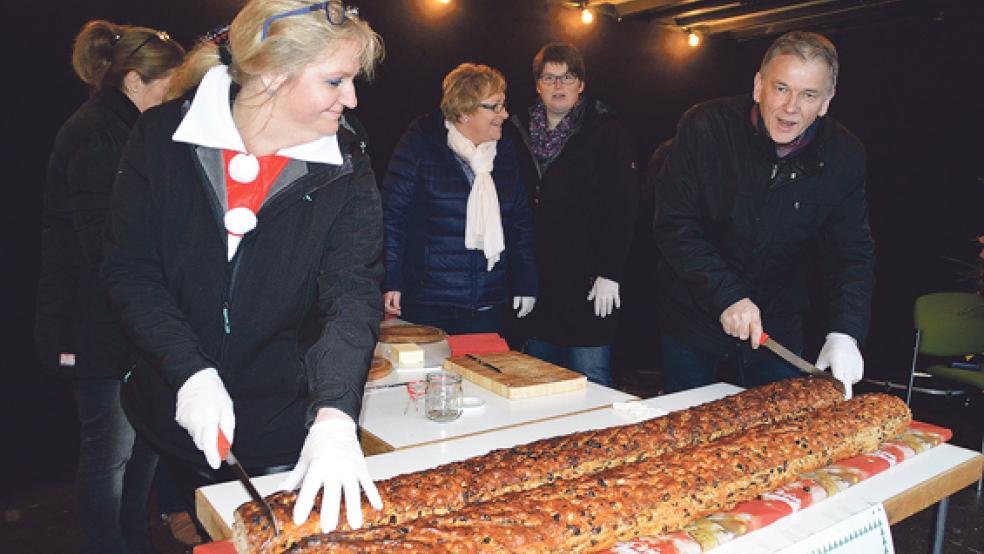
{"x":911,"y":90}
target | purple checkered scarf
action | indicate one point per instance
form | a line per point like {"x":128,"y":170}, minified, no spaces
{"x":545,"y":142}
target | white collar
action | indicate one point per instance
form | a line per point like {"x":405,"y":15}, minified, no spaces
{"x":209,"y":123}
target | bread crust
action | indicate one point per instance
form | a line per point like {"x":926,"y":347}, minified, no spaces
{"x":483,"y":478}
{"x":657,"y":495}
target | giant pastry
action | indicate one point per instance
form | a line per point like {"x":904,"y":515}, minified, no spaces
{"x":482,"y":478}
{"x":656,"y":495}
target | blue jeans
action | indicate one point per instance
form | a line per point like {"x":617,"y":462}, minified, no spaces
{"x":687,"y":367}
{"x":593,"y":361}
{"x":115,"y":473}
{"x":454,"y":321}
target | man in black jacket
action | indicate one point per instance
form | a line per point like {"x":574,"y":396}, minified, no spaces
{"x":755,"y":190}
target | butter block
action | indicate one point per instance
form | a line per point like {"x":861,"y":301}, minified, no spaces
{"x":407,"y":355}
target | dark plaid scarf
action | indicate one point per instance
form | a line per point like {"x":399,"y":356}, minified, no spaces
{"x":544,"y":141}
{"x":791,"y":149}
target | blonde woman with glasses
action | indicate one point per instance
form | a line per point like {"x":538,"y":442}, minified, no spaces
{"x":245,"y":257}
{"x":459,"y":239}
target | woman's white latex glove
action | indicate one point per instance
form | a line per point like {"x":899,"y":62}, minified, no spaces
{"x":203,"y":407}
{"x":840,"y":353}
{"x":331,"y":458}
{"x":524,"y":305}
{"x":604,"y":292}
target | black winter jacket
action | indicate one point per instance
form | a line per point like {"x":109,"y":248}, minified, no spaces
{"x":584,"y":209}
{"x":290,"y":323}
{"x":734,"y":221}
{"x":425,"y":196}
{"x":73,"y":315}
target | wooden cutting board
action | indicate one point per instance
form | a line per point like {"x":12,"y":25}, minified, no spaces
{"x":420,"y":334}
{"x":522,"y":376}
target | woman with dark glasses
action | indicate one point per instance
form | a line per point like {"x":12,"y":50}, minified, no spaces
{"x":459,"y":235}
{"x":128,"y":69}
{"x":245,"y":257}
{"x":579,"y":167}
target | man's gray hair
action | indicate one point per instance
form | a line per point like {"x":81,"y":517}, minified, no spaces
{"x":807,"y":47}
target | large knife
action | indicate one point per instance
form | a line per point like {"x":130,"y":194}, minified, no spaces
{"x":225,"y":452}
{"x":798,"y":362}
{"x":482,"y":362}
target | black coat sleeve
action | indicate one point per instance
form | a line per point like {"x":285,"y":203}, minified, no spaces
{"x":519,"y":237}
{"x":134,"y":275}
{"x":680,"y":220}
{"x":618,"y":201}
{"x":349,"y":301}
{"x":847,"y":258}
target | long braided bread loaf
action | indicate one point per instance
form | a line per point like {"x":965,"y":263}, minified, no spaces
{"x":656,"y":495}
{"x":525,"y":467}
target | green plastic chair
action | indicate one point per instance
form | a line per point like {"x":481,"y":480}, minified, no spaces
{"x":949,"y":324}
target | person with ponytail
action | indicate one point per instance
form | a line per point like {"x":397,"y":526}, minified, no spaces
{"x":127,"y":70}
{"x":244,"y":257}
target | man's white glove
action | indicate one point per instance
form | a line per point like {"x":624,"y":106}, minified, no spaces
{"x":840,"y":353}
{"x":331,"y":458}
{"x":743,"y":320}
{"x":524,"y":304}
{"x":604,"y":292}
{"x":203,"y":408}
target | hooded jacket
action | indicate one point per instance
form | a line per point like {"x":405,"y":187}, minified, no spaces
{"x":734,"y":221}
{"x":425,"y":198}
{"x":290,"y":322}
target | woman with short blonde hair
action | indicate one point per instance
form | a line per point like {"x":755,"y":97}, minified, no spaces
{"x":245,"y":257}
{"x":465,"y":87}
{"x":459,"y":239}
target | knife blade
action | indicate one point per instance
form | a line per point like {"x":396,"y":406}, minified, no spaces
{"x":798,"y":362}
{"x":225,"y":452}
{"x":388,"y":385}
{"x":483,"y":362}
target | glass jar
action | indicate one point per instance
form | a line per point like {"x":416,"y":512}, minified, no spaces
{"x":442,"y":401}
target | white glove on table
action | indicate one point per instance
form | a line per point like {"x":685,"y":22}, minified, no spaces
{"x":524,"y":304}
{"x":604,"y":292}
{"x":331,"y":458}
{"x":840,"y":353}
{"x":203,"y":407}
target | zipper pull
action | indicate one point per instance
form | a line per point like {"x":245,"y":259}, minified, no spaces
{"x":775,"y":169}
{"x":225,"y":318}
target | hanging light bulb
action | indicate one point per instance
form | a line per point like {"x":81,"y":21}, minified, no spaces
{"x":444,"y":1}
{"x":693,"y":39}
{"x":586,"y":16}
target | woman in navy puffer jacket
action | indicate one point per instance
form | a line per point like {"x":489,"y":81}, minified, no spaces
{"x":459,"y":233}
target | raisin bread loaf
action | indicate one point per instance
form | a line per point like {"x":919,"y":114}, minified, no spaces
{"x":482,"y":478}
{"x":654,"y":496}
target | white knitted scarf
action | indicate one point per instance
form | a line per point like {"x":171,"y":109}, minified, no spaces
{"x":483,"y":224}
